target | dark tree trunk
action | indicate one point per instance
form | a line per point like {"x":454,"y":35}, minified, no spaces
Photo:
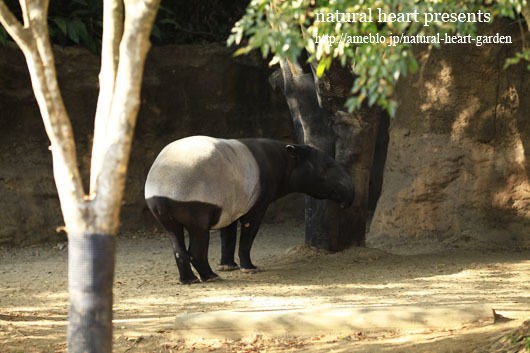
{"x":378,"y":166}
{"x":317,"y":110}
{"x":90,"y":276}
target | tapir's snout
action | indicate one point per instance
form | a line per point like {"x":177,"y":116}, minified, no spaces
{"x":348,"y":202}
{"x":347,"y":195}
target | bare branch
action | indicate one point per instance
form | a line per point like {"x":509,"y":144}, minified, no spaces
{"x":123,"y":67}
{"x":113,"y":17}
{"x":19,"y":34}
{"x":139,"y":18}
{"x":40,"y":60}
{"x":24,"y":7}
{"x":37,"y":18}
{"x":525,"y":11}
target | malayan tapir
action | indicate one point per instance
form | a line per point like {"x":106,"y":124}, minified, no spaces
{"x":202,"y":183}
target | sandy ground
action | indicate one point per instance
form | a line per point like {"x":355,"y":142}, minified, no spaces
{"x":148,"y":297}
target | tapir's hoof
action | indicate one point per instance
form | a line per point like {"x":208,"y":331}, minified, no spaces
{"x":191,"y":280}
{"x":212,"y":279}
{"x":229,"y":267}
{"x":250,"y":270}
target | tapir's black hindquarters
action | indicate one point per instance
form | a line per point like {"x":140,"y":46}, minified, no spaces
{"x":198,"y":218}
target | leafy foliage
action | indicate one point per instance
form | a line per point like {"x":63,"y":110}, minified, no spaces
{"x":285,"y":28}
{"x":523,"y":55}
{"x":79,"y":22}
{"x":186,"y":22}
{"x":70,"y":22}
{"x":76,"y":22}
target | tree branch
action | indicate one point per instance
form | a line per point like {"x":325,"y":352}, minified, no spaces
{"x":139,"y":19}
{"x":25,"y":11}
{"x":34,"y":42}
{"x":121,"y":75}
{"x":113,"y":17}
{"x":19,"y":34}
{"x":525,"y":11}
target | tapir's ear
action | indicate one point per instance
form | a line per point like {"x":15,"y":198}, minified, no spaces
{"x":291,"y":151}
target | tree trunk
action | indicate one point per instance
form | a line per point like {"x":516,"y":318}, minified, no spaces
{"x":90,"y":277}
{"x":312,"y":127}
{"x":316,"y":108}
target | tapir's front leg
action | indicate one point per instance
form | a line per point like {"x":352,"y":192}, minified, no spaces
{"x":249,"y":228}
{"x":228,"y":248}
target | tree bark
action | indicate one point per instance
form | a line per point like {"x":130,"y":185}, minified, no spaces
{"x":312,"y":127}
{"x":316,"y":108}
{"x":109,"y":176}
{"x":91,"y":261}
{"x":525,"y":11}
{"x":110,"y":52}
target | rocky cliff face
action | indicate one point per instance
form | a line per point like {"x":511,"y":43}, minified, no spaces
{"x":187,"y":90}
{"x":458,"y":158}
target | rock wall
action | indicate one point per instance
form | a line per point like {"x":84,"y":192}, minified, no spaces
{"x":458,"y":157}
{"x":187,"y":90}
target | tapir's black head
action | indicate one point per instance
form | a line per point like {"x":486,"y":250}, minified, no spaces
{"x":320,"y":176}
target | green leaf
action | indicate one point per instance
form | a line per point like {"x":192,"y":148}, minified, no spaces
{"x":372,"y":98}
{"x":392,"y":108}
{"x":322,"y":66}
{"x":265,"y":50}
{"x":61,"y":23}
{"x":511,"y":61}
{"x":74,"y":29}
{"x":168,"y":21}
{"x":155,"y":33}
{"x":242,"y":51}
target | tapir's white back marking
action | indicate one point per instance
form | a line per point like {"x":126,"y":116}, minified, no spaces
{"x":206,"y":169}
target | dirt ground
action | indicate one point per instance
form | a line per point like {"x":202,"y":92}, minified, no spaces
{"x":148,"y":297}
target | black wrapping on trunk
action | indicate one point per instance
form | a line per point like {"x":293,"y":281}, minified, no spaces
{"x":91,"y":259}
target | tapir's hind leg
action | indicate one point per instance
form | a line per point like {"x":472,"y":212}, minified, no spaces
{"x":228,"y":248}
{"x":198,"y":251}
{"x":176,"y":235}
{"x":162,"y":212}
